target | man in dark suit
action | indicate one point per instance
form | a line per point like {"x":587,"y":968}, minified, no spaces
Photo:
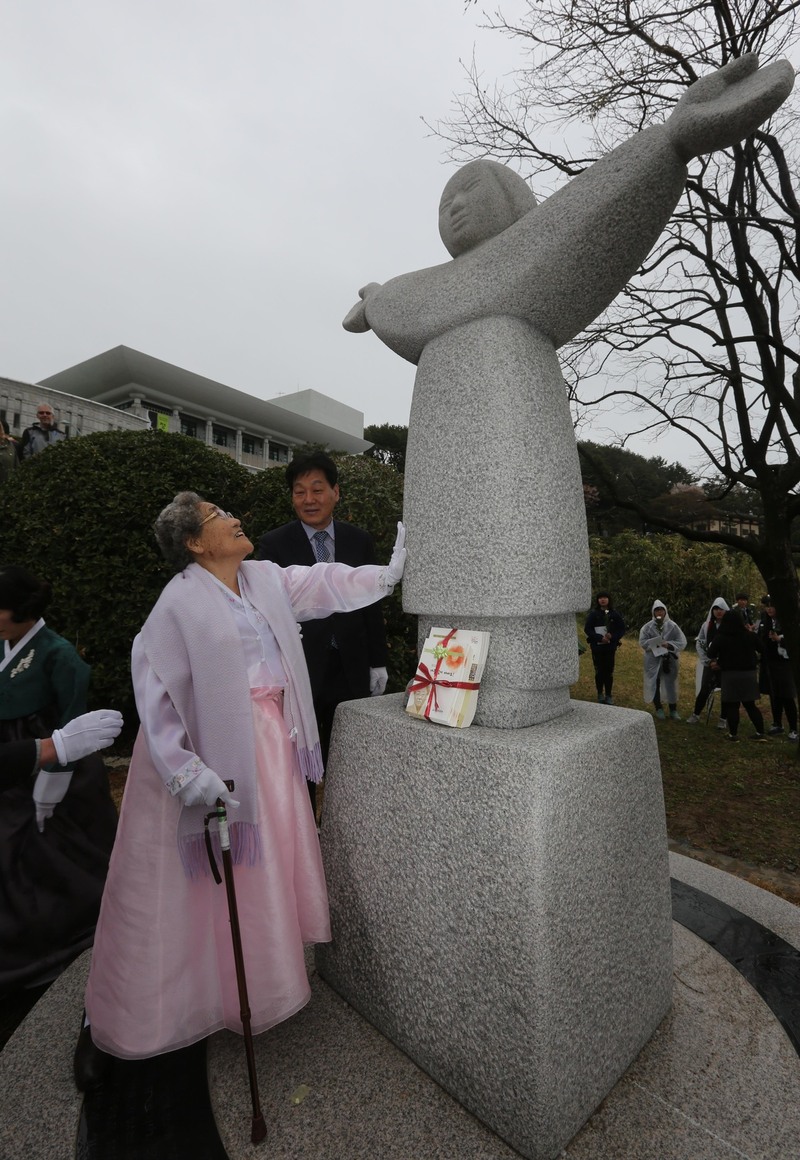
{"x":345,"y":653}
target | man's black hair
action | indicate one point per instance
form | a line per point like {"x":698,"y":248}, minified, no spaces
{"x":315,"y":461}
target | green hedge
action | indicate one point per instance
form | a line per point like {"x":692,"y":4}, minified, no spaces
{"x":81,"y":514}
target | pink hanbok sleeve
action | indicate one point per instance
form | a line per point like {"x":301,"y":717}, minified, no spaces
{"x":325,"y":588}
{"x":161,"y":725}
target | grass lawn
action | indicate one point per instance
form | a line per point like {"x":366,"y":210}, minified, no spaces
{"x":741,"y":801}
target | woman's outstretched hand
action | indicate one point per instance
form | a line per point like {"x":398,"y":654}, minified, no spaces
{"x":728,"y":105}
{"x":397,"y":563}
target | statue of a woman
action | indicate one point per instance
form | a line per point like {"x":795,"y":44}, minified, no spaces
{"x":493,"y":497}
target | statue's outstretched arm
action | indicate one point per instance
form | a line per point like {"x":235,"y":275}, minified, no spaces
{"x":728,"y":105}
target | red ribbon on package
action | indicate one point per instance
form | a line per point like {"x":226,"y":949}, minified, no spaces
{"x":423,"y":679}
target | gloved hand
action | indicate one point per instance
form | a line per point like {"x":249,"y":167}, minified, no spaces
{"x":205,"y":789}
{"x":378,"y":680}
{"x":85,"y":734}
{"x":48,"y":790}
{"x":396,"y":566}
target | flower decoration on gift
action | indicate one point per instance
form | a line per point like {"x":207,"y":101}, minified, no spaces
{"x":24,"y":663}
{"x":454,"y":656}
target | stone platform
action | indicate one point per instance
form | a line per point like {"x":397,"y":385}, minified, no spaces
{"x":500,"y":904}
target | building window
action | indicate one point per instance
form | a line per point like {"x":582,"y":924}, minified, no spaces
{"x":278,"y":452}
{"x":189,"y":426}
{"x":221,"y":437}
{"x":251,"y":445}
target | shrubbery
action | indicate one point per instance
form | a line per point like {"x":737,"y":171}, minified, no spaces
{"x":82,"y":515}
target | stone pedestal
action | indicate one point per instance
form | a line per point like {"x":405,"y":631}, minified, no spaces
{"x":500,"y":904}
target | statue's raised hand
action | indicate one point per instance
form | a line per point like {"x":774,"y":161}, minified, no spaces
{"x":356,"y":319}
{"x":724,"y":107}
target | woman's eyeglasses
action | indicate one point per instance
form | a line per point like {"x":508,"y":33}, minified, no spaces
{"x":217,"y":512}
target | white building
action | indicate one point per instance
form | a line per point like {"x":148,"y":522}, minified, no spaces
{"x":255,"y":433}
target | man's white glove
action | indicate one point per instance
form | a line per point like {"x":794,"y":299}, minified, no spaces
{"x":396,"y":566}
{"x":48,"y":790}
{"x":205,"y":789}
{"x":378,"y":680}
{"x":85,"y":734}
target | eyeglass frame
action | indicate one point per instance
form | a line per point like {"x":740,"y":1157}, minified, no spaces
{"x":223,"y":515}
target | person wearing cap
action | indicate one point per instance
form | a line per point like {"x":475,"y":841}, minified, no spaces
{"x":42,"y":434}
{"x":708,"y":675}
{"x":663,"y":642}
{"x":604,"y":630}
{"x":778,"y":669}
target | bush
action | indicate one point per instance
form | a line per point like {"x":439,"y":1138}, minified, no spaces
{"x":81,"y":514}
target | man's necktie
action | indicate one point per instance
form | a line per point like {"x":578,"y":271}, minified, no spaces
{"x":319,"y":542}
{"x":320,"y":545}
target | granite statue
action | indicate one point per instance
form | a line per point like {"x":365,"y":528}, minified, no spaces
{"x":493,"y":497}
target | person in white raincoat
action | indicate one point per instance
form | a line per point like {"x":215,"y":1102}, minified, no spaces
{"x":663,"y":642}
{"x":707,"y":673}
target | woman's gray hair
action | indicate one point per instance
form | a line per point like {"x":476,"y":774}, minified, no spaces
{"x":179,"y":521}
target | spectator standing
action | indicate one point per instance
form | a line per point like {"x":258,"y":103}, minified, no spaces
{"x":663,"y":642}
{"x":604,"y":630}
{"x":43,"y":434}
{"x":8,"y":453}
{"x":708,"y":675}
{"x":346,"y":653}
{"x":782,"y":691}
{"x":736,"y":648}
{"x":745,"y":609}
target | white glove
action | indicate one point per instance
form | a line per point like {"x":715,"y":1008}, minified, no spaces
{"x":378,"y":680}
{"x":83,"y":735}
{"x":205,"y":789}
{"x":48,"y":790}
{"x":396,"y":566}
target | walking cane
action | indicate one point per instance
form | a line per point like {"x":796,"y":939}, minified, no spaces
{"x":258,"y":1128}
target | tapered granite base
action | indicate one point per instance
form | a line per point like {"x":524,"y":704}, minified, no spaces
{"x":500,"y":904}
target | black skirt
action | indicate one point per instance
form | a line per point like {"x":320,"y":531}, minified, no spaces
{"x":51,"y":883}
{"x":740,"y":685}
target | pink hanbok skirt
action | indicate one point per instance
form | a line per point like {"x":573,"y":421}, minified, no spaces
{"x":162,"y":973}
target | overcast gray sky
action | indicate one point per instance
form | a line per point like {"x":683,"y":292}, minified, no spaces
{"x":211,"y":183}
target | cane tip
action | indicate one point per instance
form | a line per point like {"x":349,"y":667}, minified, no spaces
{"x":258,"y":1131}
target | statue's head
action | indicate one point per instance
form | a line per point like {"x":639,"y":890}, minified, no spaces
{"x":479,"y":202}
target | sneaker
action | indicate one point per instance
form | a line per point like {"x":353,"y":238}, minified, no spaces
{"x":660,"y":714}
{"x":692,"y":720}
{"x":731,"y":737}
{"x":793,"y":735}
{"x":775,"y":730}
{"x":722,"y":723}
{"x":674,"y":715}
{"x":601,"y":699}
{"x":609,"y":701}
{"x":759,"y":737}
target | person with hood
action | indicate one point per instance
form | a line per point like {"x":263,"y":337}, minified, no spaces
{"x":737,"y":648}
{"x":782,"y":691}
{"x":663,"y":642}
{"x":604,"y":630}
{"x":708,"y":675}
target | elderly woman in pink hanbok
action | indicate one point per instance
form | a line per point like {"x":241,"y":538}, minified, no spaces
{"x":223,"y":694}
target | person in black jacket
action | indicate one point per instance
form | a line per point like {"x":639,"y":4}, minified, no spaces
{"x":736,"y":649}
{"x":782,"y":691}
{"x":346,"y":653}
{"x":604,"y":644}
